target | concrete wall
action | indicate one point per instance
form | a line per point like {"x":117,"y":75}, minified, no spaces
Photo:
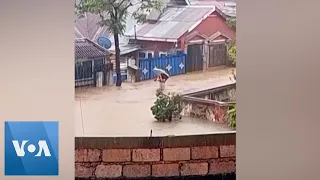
{"x":144,"y":157}
{"x":206,"y":109}
{"x":207,"y":105}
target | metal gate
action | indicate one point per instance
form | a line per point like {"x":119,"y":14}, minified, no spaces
{"x":86,"y":72}
{"x":173,"y":65}
{"x":217,"y":55}
{"x":194,"y":58}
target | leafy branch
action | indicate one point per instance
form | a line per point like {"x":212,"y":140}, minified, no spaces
{"x":113,"y":15}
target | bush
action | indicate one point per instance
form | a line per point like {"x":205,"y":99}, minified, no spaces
{"x":166,"y":107}
{"x":232,"y":52}
{"x":232,"y":112}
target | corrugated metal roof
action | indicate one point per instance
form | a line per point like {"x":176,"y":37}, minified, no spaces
{"x":124,"y":49}
{"x":227,"y":7}
{"x":173,"y":23}
{"x":87,"y":27}
{"x":84,"y":48}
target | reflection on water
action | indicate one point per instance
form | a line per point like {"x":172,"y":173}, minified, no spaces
{"x":125,"y":111}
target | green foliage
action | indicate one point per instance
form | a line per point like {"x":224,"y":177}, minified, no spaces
{"x":232,"y":52}
{"x":232,"y":117}
{"x":232,"y":22}
{"x":113,"y":13}
{"x":166,"y":107}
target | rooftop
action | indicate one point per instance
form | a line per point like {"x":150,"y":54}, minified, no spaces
{"x":88,"y":28}
{"x":85,"y":48}
{"x":172,"y":23}
{"x":125,"y":48}
{"x":227,"y":7}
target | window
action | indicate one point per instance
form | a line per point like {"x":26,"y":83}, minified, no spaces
{"x":146,"y":54}
{"x":142,"y":55}
{"x":179,"y":52}
{"x":163,"y":54}
{"x":150,"y":54}
{"x":83,"y":70}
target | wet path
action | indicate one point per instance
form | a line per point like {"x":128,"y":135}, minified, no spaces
{"x":125,"y":111}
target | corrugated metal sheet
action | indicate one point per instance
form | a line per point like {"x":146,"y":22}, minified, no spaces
{"x":227,"y":7}
{"x":88,"y":27}
{"x":173,"y":65}
{"x":172,"y":23}
{"x":85,"y":48}
{"x":124,"y":49}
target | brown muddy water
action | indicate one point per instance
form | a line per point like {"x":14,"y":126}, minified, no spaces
{"x":125,"y":110}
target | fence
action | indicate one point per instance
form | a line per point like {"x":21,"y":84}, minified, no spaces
{"x":91,"y":72}
{"x":173,"y":65}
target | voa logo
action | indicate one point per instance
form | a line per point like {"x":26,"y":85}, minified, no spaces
{"x":31,"y":148}
{"x":42,"y":148}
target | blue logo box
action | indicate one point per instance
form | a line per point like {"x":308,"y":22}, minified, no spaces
{"x":31,"y":148}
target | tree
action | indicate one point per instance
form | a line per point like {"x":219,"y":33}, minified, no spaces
{"x":232,"y":22}
{"x":113,"y":14}
{"x":232,"y":112}
{"x":232,"y":50}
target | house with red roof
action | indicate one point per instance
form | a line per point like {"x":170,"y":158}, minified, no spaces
{"x":184,"y":24}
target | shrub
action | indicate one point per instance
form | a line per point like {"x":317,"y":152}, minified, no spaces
{"x":166,"y":107}
{"x":232,"y":52}
{"x":232,"y":112}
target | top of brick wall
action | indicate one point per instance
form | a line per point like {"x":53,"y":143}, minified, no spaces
{"x":222,"y":138}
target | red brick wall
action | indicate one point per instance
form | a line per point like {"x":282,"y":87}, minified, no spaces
{"x":215,"y":154}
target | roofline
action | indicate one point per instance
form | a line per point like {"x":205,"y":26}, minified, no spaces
{"x":155,"y":39}
{"x":122,"y":52}
{"x":189,"y":30}
{"x":78,"y":32}
{"x":95,"y":44}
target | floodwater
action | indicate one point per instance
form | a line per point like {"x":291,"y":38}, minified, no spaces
{"x":125,"y":110}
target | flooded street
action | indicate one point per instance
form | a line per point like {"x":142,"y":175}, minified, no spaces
{"x":125,"y":111}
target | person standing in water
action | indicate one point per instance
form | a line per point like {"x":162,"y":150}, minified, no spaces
{"x":162,"y":78}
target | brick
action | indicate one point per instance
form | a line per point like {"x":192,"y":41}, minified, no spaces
{"x":87,"y":155}
{"x":204,"y":152}
{"x":82,"y":171}
{"x":165,"y":170}
{"x":219,"y":166}
{"x":190,"y":169}
{"x":134,"y":171}
{"x":228,"y":151}
{"x":145,"y":155}
{"x":108,"y":171}
{"x":176,"y":154}
{"x":116,"y":155}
